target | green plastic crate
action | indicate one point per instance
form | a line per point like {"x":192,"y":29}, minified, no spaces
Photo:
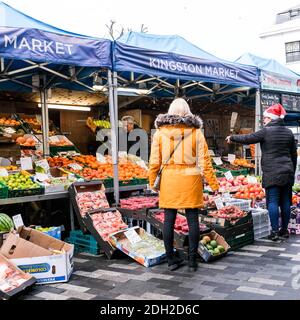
{"x":55,"y":150}
{"x":84,"y":242}
{"x":25,"y":193}
{"x":3,"y":191}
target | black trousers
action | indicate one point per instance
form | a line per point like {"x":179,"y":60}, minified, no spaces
{"x":194,"y":232}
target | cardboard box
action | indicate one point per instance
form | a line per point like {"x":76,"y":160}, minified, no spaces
{"x":8,"y":287}
{"x":31,"y":251}
{"x":121,"y":242}
{"x":205,"y":254}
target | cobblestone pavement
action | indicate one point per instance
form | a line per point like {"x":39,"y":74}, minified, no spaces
{"x":265,"y":270}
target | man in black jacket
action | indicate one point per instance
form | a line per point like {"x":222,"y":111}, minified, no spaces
{"x":279,"y":161}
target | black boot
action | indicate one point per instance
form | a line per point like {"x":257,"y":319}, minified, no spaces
{"x":193,"y":264}
{"x":283,"y":233}
{"x":274,"y":236}
{"x":174,"y":263}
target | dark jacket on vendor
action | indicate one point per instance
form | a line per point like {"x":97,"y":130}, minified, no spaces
{"x":279,"y":152}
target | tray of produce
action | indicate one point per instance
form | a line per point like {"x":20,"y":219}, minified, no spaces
{"x":146,"y":250}
{"x":21,"y":184}
{"x":86,"y":197}
{"x":137,"y":207}
{"x":101,"y":224}
{"x":227,"y":216}
{"x":181,"y":230}
{"x":13,"y":281}
{"x":212,"y":246}
{"x":251,"y":191}
{"x":243,"y":163}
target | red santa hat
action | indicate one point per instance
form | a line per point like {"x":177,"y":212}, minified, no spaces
{"x":275,"y":112}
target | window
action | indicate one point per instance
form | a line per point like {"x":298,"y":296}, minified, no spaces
{"x":292,"y":50}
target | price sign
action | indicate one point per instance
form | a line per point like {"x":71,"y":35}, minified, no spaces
{"x":218,"y":161}
{"x":219,"y":203}
{"x":75,"y":166}
{"x":18,"y":221}
{"x":252,"y":179}
{"x":142,"y":164}
{"x":231,"y":157}
{"x":3,"y":172}
{"x":43,"y":164}
{"x":228,"y":176}
{"x":226,"y":196}
{"x":26,"y":163}
{"x":211,"y":153}
{"x":132,"y":236}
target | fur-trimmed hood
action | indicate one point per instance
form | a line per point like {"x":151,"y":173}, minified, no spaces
{"x":173,"y":120}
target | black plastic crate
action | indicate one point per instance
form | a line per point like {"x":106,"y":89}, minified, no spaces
{"x":25,"y":192}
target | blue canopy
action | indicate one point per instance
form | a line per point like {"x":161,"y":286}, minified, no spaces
{"x":22,"y":37}
{"x":270,"y":65}
{"x":176,"y":58}
{"x":273,"y":75}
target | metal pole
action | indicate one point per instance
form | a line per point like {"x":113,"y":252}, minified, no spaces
{"x":258,"y":119}
{"x":45,"y":118}
{"x":114,"y":134}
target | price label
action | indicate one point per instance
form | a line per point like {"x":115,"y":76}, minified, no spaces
{"x":252,"y":179}
{"x":43,"y":164}
{"x":218,"y":161}
{"x":142,"y":164}
{"x":3,"y":172}
{"x":211,"y":153}
{"x":132,"y":236}
{"x":226,"y":196}
{"x":123,"y":154}
{"x":228,"y":176}
{"x":75,"y":166}
{"x":219,"y":203}
{"x":18,"y":221}
{"x":231,"y":157}
{"x":26,"y":163}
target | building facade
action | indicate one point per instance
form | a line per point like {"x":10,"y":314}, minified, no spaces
{"x":281,"y":41}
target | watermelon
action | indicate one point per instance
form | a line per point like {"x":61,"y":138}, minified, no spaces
{"x":6,"y":223}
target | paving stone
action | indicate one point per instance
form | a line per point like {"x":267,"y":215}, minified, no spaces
{"x":267,"y":281}
{"x":257,"y":291}
{"x":156,"y":296}
{"x":51,"y":296}
{"x":79,"y":295}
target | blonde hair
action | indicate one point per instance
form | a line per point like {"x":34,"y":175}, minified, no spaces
{"x":179,"y":107}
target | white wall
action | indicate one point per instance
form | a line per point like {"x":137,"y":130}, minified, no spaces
{"x":275,"y":38}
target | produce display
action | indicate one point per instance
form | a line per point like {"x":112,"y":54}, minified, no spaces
{"x":9,"y":168}
{"x":209,"y":201}
{"x":230,"y":167}
{"x":251,"y":191}
{"x":149,"y":246}
{"x":102,"y":124}
{"x":136,"y":203}
{"x":19,"y":181}
{"x":212,"y":246}
{"x":9,"y":122}
{"x":6,"y":223}
{"x":26,"y":141}
{"x":88,"y":201}
{"x":58,"y":162}
{"x":107,"y":223}
{"x":230,"y":213}
{"x":59,"y":141}
{"x":181,"y":224}
{"x":10,"y":278}
{"x":243,"y":163}
{"x":233,"y":185}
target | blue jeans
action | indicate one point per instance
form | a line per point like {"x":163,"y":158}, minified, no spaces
{"x":279,"y":197}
